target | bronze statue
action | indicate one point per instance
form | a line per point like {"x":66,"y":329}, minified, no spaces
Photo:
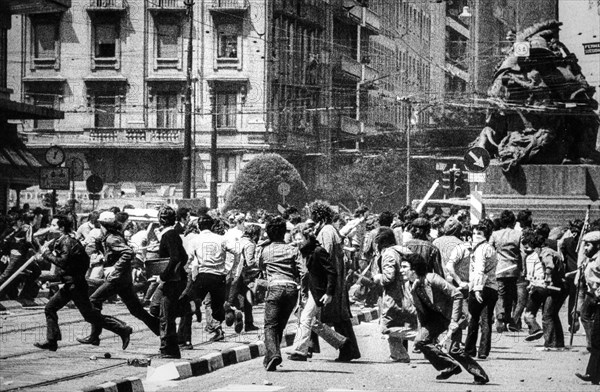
{"x":541,"y":106}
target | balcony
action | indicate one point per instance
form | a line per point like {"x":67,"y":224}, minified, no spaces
{"x":306,"y":13}
{"x":147,"y":138}
{"x":36,"y":7}
{"x":371,"y":21}
{"x":370,"y":73}
{"x":106,"y":6}
{"x":228,"y":6}
{"x":348,"y":67}
{"x":350,"y":125}
{"x":166,"y":6}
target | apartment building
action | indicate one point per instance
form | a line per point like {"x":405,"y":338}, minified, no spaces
{"x":18,"y":168}
{"x":304,"y":78}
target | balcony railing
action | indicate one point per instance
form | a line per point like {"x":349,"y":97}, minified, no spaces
{"x":107,"y":5}
{"x":372,"y":21}
{"x":229,"y":5}
{"x":114,"y":137}
{"x":166,"y":5}
{"x":348,"y":66}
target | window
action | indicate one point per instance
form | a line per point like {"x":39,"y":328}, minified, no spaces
{"x":227,"y":41}
{"x":3,"y":57}
{"x":46,"y":101}
{"x":45,"y":37}
{"x":105,"y":40}
{"x":168,"y":35}
{"x":104,"y":111}
{"x":227,"y":166}
{"x":166,"y":110}
{"x":226,"y":110}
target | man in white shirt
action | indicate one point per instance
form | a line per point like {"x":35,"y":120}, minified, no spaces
{"x":209,"y":270}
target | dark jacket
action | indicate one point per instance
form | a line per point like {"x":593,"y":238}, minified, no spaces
{"x":321,"y":274}
{"x":69,"y":256}
{"x":119,"y":255}
{"x":171,"y":246}
{"x":445,"y":299}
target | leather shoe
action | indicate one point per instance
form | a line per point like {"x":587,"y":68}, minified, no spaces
{"x":126,"y":336}
{"x":170,"y":356}
{"x":446,"y":374}
{"x":94,"y":341}
{"x":481,"y":380}
{"x":218,"y":336}
{"x":346,"y":359}
{"x":229,"y":318}
{"x":239,"y":321}
{"x":250,"y":328}
{"x":52,"y":346}
{"x":297,"y":357}
{"x":534,"y":336}
{"x":584,"y":377}
{"x":273,"y":363}
{"x":186,"y":346}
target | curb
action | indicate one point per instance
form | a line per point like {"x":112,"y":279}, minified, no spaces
{"x":18,"y":304}
{"x":131,"y":384}
{"x":214,"y":361}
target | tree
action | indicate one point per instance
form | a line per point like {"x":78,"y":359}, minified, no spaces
{"x":258,"y":182}
{"x":376,"y":181}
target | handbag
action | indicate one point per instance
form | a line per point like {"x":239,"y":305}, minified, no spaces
{"x":325,"y":332}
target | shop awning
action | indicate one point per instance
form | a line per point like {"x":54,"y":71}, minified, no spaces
{"x":18,"y":166}
{"x":13,"y":110}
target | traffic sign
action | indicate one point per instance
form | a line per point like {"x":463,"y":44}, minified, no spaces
{"x":54,"y":178}
{"x":283,"y":189}
{"x":94,"y":183}
{"x":94,"y":196}
{"x":477,"y":159}
{"x":522,"y":49}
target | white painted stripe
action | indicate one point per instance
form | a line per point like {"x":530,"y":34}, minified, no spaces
{"x":242,"y":353}
{"x":215,"y":361}
{"x":184,"y":369}
{"x":136,"y":384}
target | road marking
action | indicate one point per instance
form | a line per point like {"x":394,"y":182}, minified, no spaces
{"x":248,"y":388}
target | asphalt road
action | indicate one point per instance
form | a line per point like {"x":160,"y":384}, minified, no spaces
{"x":513,"y":364}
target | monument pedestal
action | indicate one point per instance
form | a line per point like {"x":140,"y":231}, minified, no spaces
{"x":554,"y":193}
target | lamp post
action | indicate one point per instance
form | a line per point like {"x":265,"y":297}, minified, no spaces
{"x":187,"y":133}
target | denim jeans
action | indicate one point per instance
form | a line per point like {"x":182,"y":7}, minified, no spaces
{"x":280,"y":301}
{"x":593,"y":367}
{"x":476,"y":309}
{"x":507,"y":297}
{"x":309,"y":314}
{"x":553,"y":330}
{"x":129,"y":297}
{"x":522,"y":297}
{"x":456,"y":357}
{"x":537,"y":296}
{"x":77,"y":291}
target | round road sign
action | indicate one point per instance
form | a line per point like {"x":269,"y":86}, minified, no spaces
{"x":94,"y":183}
{"x":283,"y":189}
{"x":477,"y":159}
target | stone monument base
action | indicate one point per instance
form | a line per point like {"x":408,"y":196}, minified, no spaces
{"x":554,"y":193}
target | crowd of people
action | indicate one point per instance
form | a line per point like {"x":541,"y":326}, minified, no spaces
{"x":434,"y":278}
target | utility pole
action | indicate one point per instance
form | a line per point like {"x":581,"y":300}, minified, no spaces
{"x":408,"y":130}
{"x":214,"y":164}
{"x":187,"y":133}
